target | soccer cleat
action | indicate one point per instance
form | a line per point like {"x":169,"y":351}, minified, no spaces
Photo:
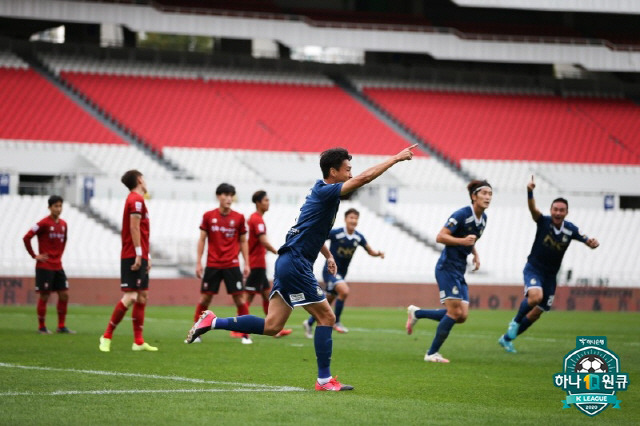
{"x":283,"y":332}
{"x":411,"y":320}
{"x":340,"y":328}
{"x":105,"y":344}
{"x":143,"y":347}
{"x":65,"y":330}
{"x":236,"y":334}
{"x":247,"y":340}
{"x":512,"y":331}
{"x":196,"y":340}
{"x":44,"y":330}
{"x":205,"y":323}
{"x":308,"y":329}
{"x":333,"y":385}
{"x":436,"y":358}
{"x":507,"y":345}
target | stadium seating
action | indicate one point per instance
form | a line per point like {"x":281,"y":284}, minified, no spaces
{"x":91,"y":249}
{"x":112,"y":159}
{"x":506,"y":242}
{"x":175,"y":228}
{"x":33,"y":109}
{"x":509,"y":127}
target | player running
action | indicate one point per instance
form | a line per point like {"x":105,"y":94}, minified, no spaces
{"x":344,"y":242}
{"x":294,"y":283}
{"x":258,"y":283}
{"x":225,"y":231}
{"x":135,"y":264}
{"x":50,"y":276}
{"x":459,"y":235}
{"x":553,"y":236}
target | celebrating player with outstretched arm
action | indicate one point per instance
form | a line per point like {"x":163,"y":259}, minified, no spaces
{"x":294,"y":283}
{"x":459,"y":235}
{"x":553,"y":236}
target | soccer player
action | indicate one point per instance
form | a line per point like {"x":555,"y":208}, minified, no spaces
{"x":294,"y":283}
{"x":459,"y":235}
{"x":135,"y":264}
{"x":553,"y":236}
{"x":344,"y":242}
{"x":52,"y":239}
{"x":258,"y":283}
{"x":226,"y":233}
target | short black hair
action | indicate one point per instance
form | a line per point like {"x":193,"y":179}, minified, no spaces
{"x":475,"y":184}
{"x":130,"y":178}
{"x":55,"y":199}
{"x":332,"y":158}
{"x":226,"y":188}
{"x":258,"y":196}
{"x":561,"y":200}
{"x":351,"y":210}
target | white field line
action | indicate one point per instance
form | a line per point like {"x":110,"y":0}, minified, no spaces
{"x":138,"y":391}
{"x":246,"y":386}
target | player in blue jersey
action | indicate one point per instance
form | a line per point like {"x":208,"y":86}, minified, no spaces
{"x":344,"y":242}
{"x":294,"y":283}
{"x":553,"y":236}
{"x":459,"y":235}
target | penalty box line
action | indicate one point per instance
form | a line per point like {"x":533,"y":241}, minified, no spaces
{"x":240,"y":387}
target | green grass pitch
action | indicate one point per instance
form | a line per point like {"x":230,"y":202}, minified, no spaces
{"x":64,"y":379}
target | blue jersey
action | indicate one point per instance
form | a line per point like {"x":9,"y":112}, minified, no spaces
{"x":316,"y":218}
{"x":343,"y":246}
{"x":462,"y":222}
{"x":551,"y":243}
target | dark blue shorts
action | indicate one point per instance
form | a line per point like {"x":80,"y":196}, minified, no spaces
{"x":452,"y":285}
{"x":295,"y":282}
{"x":332,"y":280}
{"x":533,"y":277}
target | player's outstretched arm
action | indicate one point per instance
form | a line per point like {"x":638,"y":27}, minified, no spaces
{"x":373,"y":172}
{"x":592,"y":242}
{"x":535,"y":213}
{"x":374,"y":253}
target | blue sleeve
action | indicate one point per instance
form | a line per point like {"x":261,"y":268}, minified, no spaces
{"x":333,"y":233}
{"x":363,"y":240}
{"x":455,"y":221}
{"x":330,"y":191}
{"x":576,"y":235}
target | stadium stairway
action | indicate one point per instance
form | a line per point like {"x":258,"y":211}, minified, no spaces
{"x":160,"y":258}
{"x":96,"y":112}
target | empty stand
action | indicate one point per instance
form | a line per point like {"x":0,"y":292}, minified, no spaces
{"x":33,"y":109}
{"x":508,"y":127}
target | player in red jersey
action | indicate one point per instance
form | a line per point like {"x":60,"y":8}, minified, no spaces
{"x":52,"y":239}
{"x":258,"y":283}
{"x":225,"y":231}
{"x":135,"y":264}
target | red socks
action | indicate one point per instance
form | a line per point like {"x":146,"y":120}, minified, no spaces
{"x":243,"y":309}
{"x":265,"y":306}
{"x":42,"y":312}
{"x":62,"y":312}
{"x":137,"y":316}
{"x":200,"y":308}
{"x":118,"y":313}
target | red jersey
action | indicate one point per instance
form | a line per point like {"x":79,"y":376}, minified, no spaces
{"x":52,"y":238}
{"x":223,"y":234}
{"x":257,"y":251}
{"x":135,"y":205}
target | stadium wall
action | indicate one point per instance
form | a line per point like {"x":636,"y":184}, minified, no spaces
{"x":106,"y":291}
